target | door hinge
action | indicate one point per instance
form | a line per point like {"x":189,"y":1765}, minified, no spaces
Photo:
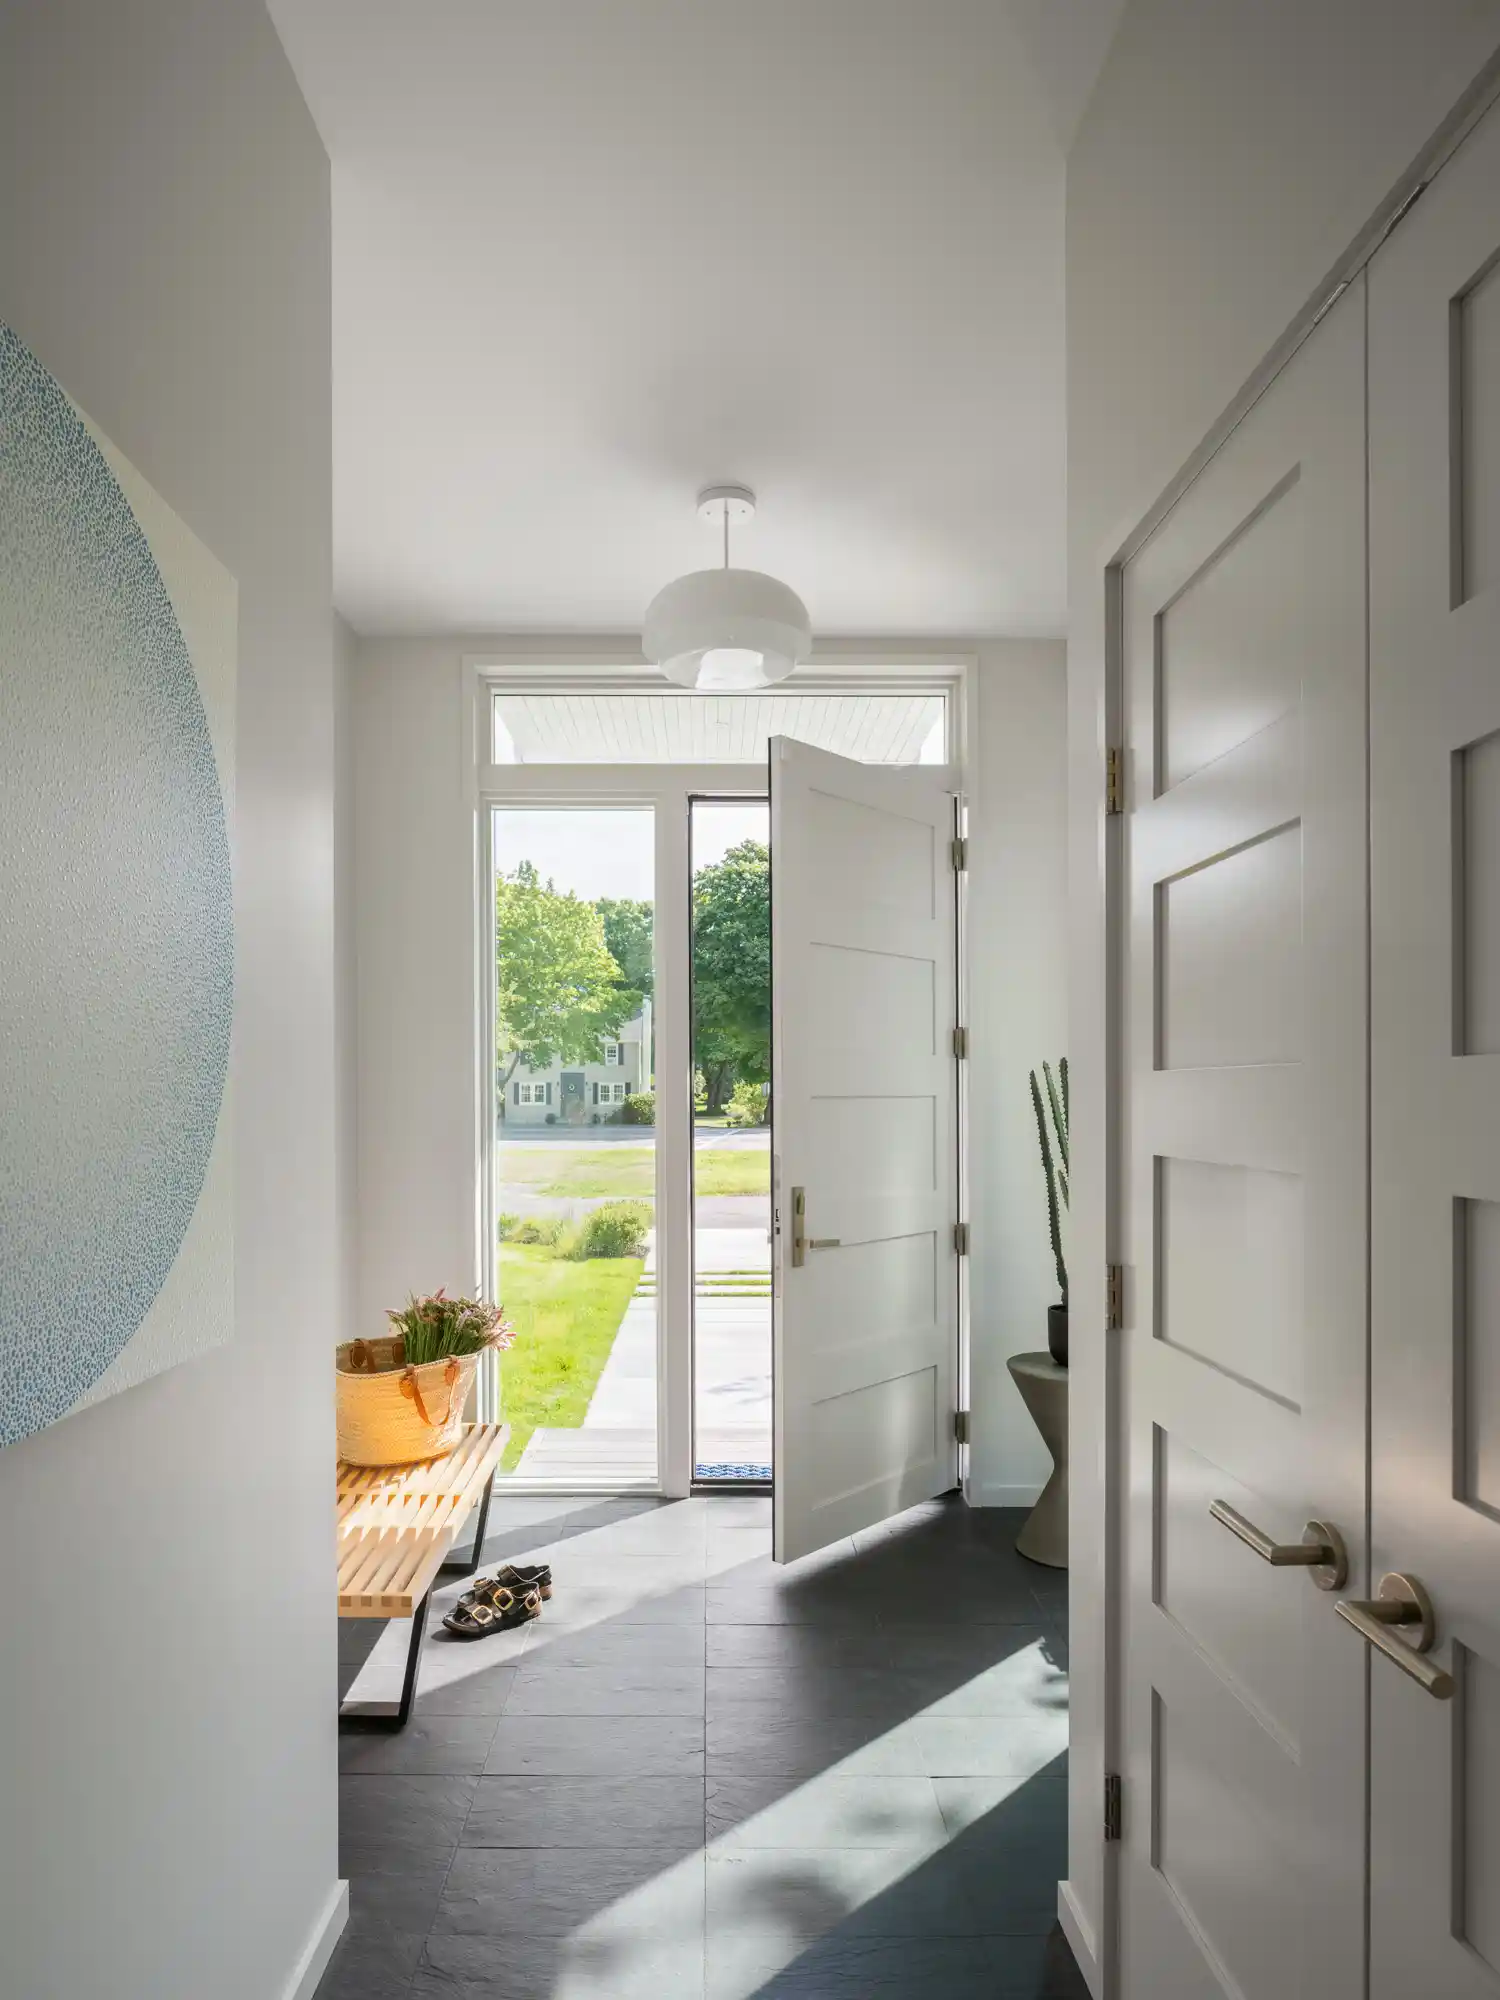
{"x":960,"y":853}
{"x":961,"y":1238}
{"x":1114,"y":1810}
{"x":960,"y":1427}
{"x":1114,"y":780}
{"x":960,"y":1042}
{"x":1114,"y":1296}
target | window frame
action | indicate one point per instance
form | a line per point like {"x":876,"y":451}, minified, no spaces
{"x":668,"y":790}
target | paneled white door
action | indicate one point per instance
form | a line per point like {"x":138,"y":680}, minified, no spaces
{"x":1435,"y":1048}
{"x":865,"y":1187}
{"x":1244,"y":1204}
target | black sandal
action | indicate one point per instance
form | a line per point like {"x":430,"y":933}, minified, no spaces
{"x":509,"y":1576}
{"x":502,"y":1611}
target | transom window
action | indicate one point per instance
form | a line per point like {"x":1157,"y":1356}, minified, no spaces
{"x":647,"y":727}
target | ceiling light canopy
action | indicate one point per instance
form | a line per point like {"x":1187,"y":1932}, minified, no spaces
{"x":726,"y":630}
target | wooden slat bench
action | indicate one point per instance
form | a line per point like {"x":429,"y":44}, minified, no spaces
{"x":395,"y":1530}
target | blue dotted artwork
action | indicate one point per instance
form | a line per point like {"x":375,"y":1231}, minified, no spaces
{"x":116,"y":919}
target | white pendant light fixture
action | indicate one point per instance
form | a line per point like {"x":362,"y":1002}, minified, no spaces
{"x":726,"y":630}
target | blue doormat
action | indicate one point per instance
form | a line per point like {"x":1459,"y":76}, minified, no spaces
{"x":731,"y":1472}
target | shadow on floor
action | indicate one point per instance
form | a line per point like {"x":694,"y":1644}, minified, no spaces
{"x":699,"y":1777}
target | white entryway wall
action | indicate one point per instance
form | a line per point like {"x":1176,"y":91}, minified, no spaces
{"x":167,"y":1734}
{"x":414,"y":899}
{"x":1278,"y":129}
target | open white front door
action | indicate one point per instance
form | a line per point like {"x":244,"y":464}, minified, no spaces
{"x":863,"y":978}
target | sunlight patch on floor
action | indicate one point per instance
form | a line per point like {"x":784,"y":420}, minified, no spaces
{"x":785,"y":1877}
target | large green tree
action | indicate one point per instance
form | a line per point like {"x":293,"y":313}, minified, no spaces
{"x":732,"y":970}
{"x":627,"y":932}
{"x":559,"y":990}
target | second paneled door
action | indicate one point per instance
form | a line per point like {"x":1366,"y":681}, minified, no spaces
{"x":1435,"y":1126}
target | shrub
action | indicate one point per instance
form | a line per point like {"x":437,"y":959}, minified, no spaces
{"x":546,"y":1229}
{"x":750,"y":1104}
{"x":617,"y":1229}
{"x":639,"y":1108}
{"x":508,"y":1225}
{"x":550,"y":1119}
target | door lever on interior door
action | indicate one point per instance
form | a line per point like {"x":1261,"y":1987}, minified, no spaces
{"x":1321,"y":1549}
{"x":1402,"y":1606}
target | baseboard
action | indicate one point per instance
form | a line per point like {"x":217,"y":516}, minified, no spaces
{"x":992,"y":1493}
{"x":319,"y":1948}
{"x":1080,"y":1935}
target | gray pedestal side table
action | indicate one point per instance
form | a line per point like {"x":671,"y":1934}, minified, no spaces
{"x":1044,"y":1390}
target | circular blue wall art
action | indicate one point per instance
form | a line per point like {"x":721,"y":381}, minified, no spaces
{"x":116,"y":920}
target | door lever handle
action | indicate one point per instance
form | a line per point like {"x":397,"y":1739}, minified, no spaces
{"x":801,"y":1241}
{"x":1321,"y":1549}
{"x":1402,"y":1606}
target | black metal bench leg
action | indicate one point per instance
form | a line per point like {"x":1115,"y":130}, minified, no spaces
{"x":467,"y":1568}
{"x":383,"y":1715}
{"x":413,"y":1661}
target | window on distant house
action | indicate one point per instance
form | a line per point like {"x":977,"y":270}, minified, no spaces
{"x":531,"y":1093}
{"x":610,"y":1093}
{"x":614,"y":1054}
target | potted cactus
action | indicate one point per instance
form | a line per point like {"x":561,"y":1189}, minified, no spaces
{"x":1049,"y":1100}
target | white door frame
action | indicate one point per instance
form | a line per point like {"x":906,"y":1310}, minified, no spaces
{"x":668,"y":789}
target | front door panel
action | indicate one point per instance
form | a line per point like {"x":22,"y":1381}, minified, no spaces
{"x":864,"y":1110}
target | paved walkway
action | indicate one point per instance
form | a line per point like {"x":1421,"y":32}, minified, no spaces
{"x":732,"y":1311}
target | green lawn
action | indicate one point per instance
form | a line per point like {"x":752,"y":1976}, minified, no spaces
{"x":565,"y":1317}
{"x":564,"y":1171}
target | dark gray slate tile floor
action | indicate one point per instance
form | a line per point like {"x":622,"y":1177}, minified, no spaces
{"x":701,"y":1777}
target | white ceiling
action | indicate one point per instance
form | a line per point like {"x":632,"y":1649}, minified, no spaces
{"x":590,"y":255}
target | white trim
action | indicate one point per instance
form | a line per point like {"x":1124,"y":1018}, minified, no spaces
{"x":326,"y":1932}
{"x":997,"y":1493}
{"x":672,"y":996}
{"x":551,"y":659}
{"x":485,"y":1402}
{"x":1080,"y":1935}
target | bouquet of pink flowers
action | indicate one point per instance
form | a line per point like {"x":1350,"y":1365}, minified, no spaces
{"x":435,"y":1327}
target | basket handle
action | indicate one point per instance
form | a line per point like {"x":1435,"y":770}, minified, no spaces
{"x":412,"y":1388}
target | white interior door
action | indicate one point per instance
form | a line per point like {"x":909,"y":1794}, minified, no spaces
{"x":1244,"y":1211}
{"x":1435,"y":1027}
{"x":865,"y":1180}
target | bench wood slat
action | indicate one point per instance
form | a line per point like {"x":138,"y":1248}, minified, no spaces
{"x":396,"y":1527}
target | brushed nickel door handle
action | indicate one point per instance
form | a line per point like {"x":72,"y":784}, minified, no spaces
{"x":801,"y":1241}
{"x":1321,"y":1550}
{"x":1402,"y":1606}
